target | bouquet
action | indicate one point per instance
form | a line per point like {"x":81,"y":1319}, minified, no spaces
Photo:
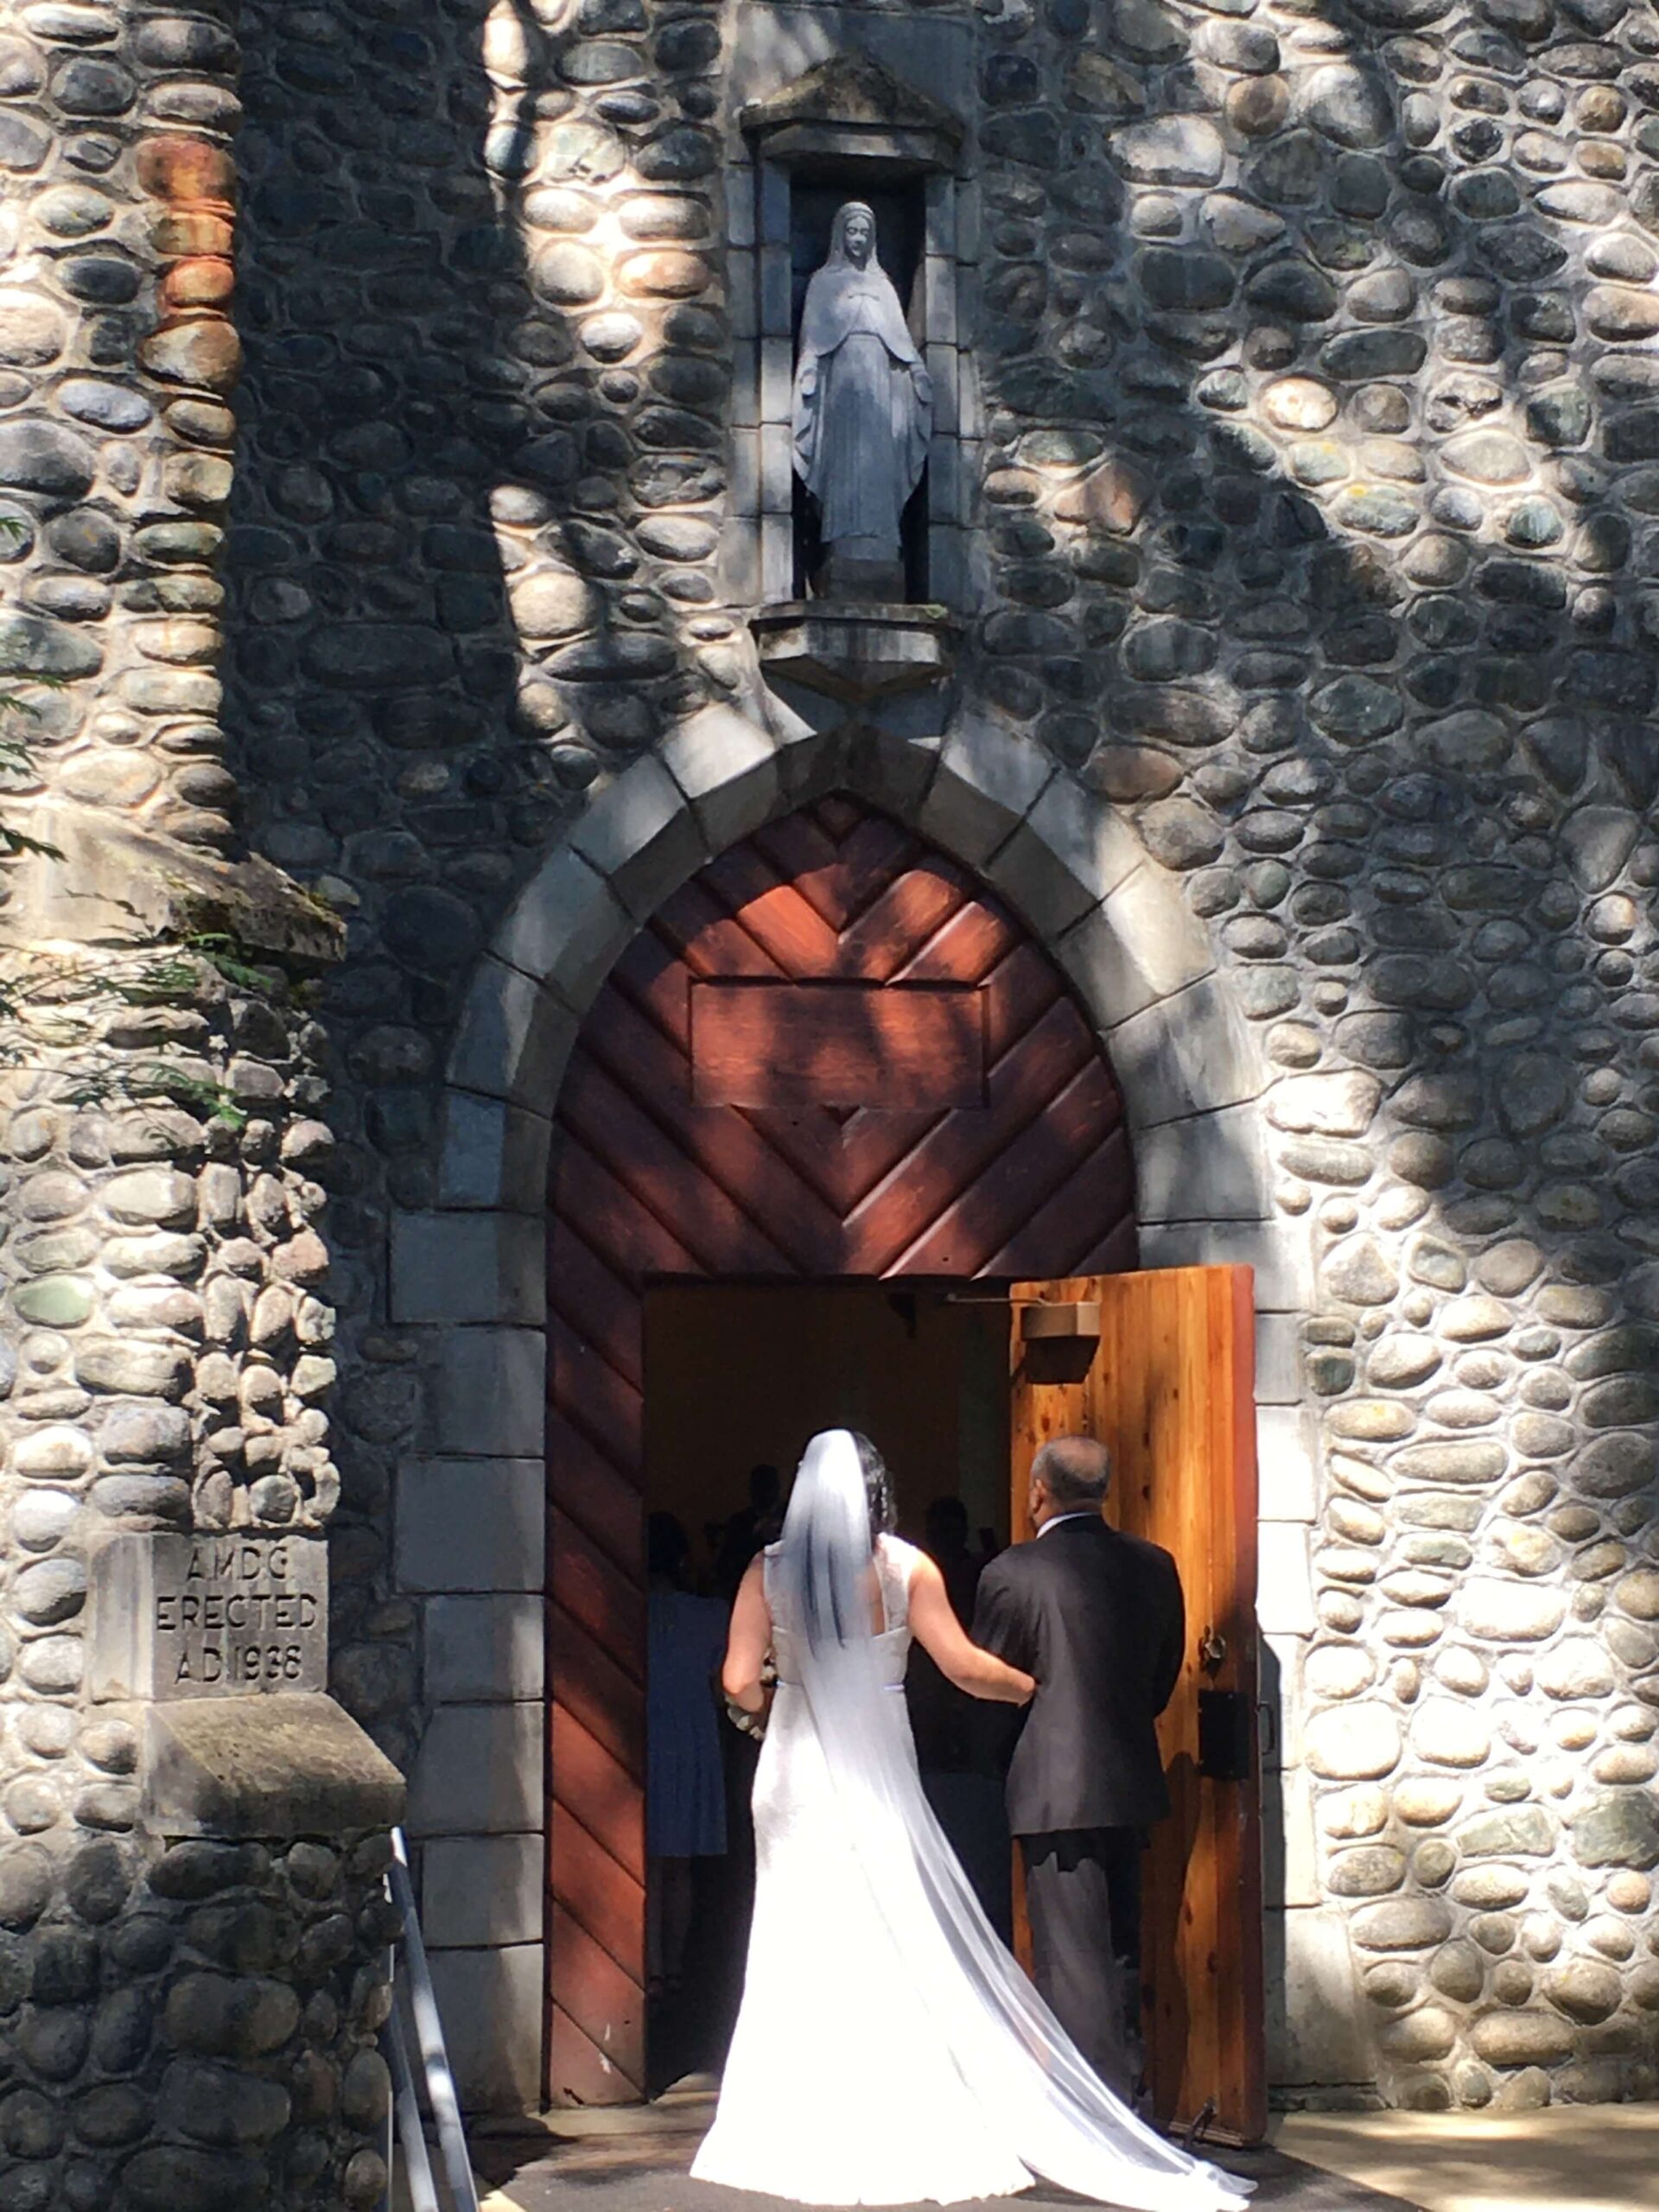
{"x":754,"y":1724}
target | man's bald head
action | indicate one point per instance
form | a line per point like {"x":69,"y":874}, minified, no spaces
{"x":1074,"y":1474}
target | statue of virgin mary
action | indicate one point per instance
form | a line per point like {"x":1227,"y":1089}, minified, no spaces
{"x":863,"y":409}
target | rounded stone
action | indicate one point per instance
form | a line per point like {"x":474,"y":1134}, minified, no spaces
{"x":1617,"y":1828}
{"x":365,"y":2091}
{"x":1354,"y":1742}
{"x":1372,"y":1870}
{"x":1361,"y":1271}
{"x":1402,"y":1924}
{"x":40,"y":456}
{"x":207,"y":352}
{"x":1458,"y":1971}
{"x":568,"y":275}
{"x":1428,"y":2033}
{"x":225,"y":2016}
{"x":222,"y":2105}
{"x":1299,"y":403}
{"x":1508,"y":1611}
{"x":51,"y":1592}
{"x":33,"y":331}
{"x":1423,"y":1802}
{"x":1446,"y":1733}
{"x":664,"y":273}
{"x":1522,"y":2038}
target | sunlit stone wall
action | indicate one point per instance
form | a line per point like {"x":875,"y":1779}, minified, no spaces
{"x":1320,"y":439}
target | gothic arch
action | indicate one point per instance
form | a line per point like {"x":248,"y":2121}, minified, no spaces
{"x":470,"y":1517}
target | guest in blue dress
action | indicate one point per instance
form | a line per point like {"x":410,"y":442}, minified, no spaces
{"x":685,"y":1791}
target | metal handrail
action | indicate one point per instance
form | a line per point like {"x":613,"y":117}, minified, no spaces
{"x":435,"y":2064}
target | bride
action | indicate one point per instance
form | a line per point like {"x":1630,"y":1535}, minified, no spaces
{"x":888,"y":2050}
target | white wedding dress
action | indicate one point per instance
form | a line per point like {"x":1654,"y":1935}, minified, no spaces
{"x":888,"y":2050}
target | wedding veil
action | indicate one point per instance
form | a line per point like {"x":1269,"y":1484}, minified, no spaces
{"x":1013,"y":2054}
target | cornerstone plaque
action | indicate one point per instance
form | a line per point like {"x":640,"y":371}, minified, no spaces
{"x":208,"y":1615}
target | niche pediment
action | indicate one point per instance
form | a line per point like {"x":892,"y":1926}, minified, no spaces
{"x":852,"y":106}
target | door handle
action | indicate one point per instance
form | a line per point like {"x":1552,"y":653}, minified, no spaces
{"x":1212,"y":1651}
{"x":1267,"y":1724}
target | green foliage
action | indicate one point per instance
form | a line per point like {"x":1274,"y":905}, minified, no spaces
{"x":17,"y":758}
{"x":70,"y":996}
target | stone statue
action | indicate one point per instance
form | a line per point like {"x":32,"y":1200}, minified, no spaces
{"x":863,"y":410}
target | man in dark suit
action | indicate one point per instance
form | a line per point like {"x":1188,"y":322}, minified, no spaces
{"x":1098,"y":1617}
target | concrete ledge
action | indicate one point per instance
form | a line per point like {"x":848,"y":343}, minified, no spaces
{"x":263,"y":1766}
{"x":112,"y":882}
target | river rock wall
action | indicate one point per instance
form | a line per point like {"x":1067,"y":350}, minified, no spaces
{"x":1315,"y":427}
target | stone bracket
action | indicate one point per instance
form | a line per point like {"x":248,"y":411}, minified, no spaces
{"x":264,"y":1767}
{"x":856,"y":653}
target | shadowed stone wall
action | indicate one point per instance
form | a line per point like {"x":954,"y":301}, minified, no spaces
{"x":1320,"y":457}
{"x":186,"y":2021}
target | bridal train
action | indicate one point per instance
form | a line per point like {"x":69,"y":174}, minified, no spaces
{"x":888,"y":2050}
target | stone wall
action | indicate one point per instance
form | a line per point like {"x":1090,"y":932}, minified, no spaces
{"x":1313,"y":536}
{"x":186,"y":2021}
{"x":194,"y":2029}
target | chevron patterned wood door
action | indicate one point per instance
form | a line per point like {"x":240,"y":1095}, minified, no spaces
{"x":832,"y":1055}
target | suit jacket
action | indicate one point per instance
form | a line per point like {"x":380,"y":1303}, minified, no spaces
{"x":1098,"y":1617}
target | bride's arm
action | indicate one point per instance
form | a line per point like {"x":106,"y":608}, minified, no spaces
{"x":747,"y":1641}
{"x":947,"y":1643}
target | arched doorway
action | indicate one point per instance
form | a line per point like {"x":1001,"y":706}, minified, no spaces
{"x":831,"y":1055}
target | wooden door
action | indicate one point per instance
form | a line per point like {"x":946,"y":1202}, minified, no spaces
{"x":1167,"y":1387}
{"x":832,"y":1056}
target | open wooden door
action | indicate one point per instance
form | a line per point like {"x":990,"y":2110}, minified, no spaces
{"x":1160,"y":1368}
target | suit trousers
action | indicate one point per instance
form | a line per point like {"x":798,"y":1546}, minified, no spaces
{"x":1082,"y":1893}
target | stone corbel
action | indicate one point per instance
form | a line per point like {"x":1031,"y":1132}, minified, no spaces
{"x":236,"y":1767}
{"x":854,"y":651}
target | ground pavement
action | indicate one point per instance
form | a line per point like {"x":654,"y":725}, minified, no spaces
{"x":638,"y":2161}
{"x":1569,"y":2158}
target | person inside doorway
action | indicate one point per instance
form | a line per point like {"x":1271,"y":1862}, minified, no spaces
{"x":750,"y":1529}
{"x":685,"y":1787}
{"x":961,"y":1741}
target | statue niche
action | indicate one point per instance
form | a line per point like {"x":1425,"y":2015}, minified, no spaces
{"x":861,"y":415}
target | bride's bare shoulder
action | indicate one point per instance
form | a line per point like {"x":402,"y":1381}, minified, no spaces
{"x":900,"y":1558}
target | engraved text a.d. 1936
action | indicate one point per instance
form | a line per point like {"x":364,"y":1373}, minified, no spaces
{"x":208,"y":1615}
{"x":239,"y":1617}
